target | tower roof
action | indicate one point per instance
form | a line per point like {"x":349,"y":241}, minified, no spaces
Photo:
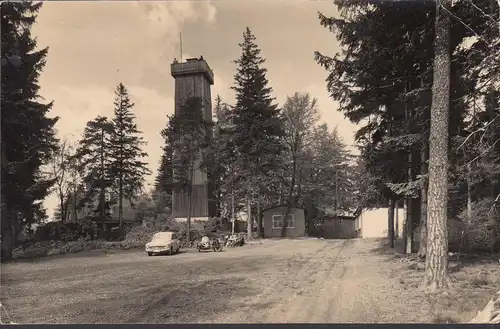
{"x":192,"y":66}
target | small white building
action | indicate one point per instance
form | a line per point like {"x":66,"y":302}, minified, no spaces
{"x":373,"y":222}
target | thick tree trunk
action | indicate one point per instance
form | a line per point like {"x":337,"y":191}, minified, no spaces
{"x":249,"y":218}
{"x":423,"y":207}
{"x":390,"y":223}
{"x":436,"y":261}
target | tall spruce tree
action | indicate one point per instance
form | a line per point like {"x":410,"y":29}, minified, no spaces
{"x":127,"y":154}
{"x":94,"y":158}
{"x":257,"y":130}
{"x":28,"y":135}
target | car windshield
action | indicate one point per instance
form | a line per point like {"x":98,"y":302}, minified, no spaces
{"x":165,"y":236}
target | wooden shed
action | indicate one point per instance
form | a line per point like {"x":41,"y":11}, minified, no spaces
{"x":273,"y":222}
{"x":342,"y":226}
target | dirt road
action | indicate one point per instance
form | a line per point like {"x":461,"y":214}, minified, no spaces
{"x":287,"y":281}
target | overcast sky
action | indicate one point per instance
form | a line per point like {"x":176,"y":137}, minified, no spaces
{"x":93,"y":46}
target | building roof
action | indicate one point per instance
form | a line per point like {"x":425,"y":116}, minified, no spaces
{"x":354,"y":212}
{"x":279,"y":206}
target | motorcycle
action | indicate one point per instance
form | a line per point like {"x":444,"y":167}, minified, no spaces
{"x":235,"y":241}
{"x":206,"y":244}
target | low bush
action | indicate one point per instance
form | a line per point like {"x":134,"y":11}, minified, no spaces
{"x":136,"y":237}
{"x":480,"y":231}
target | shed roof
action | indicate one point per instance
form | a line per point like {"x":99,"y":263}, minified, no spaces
{"x":353,"y":212}
{"x":279,"y":206}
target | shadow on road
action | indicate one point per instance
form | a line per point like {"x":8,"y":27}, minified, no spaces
{"x":180,"y":302}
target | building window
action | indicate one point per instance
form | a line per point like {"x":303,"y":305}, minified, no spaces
{"x":278,"y":221}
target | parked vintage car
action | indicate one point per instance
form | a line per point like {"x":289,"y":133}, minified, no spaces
{"x":163,"y":243}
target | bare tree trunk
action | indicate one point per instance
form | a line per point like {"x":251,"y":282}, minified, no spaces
{"x":396,"y":234}
{"x":280,"y":200}
{"x":469,"y":193}
{"x":390,"y":223}
{"x":407,"y":234}
{"x":233,"y":219}
{"x":61,"y":205}
{"x":120,"y":201}
{"x":259,"y":220}
{"x":299,"y":186}
{"x":408,"y":228}
{"x":336,"y":190}
{"x":409,"y":213}
{"x":190,"y":193}
{"x":75,"y":205}
{"x":422,"y":248}
{"x":103,"y":185}
{"x":436,"y":262}
{"x":249,"y":218}
{"x":290,"y":198}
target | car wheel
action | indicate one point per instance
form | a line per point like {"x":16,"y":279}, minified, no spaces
{"x":171,"y":251}
{"x":150,"y":254}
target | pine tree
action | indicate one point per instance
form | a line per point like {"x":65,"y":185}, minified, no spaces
{"x":257,"y":129}
{"x":187,"y":131}
{"x":126,"y":150}
{"x":94,"y":157}
{"x":436,"y":261}
{"x":28,"y":135}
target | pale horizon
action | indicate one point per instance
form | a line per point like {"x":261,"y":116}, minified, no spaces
{"x":93,"y":46}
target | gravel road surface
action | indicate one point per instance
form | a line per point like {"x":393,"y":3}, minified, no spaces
{"x":287,"y":281}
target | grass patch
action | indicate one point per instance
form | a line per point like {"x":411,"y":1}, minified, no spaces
{"x":472,"y":285}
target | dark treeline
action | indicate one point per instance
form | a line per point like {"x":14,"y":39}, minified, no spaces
{"x":423,"y":76}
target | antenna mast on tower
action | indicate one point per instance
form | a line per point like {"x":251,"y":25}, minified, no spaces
{"x":180,"y":39}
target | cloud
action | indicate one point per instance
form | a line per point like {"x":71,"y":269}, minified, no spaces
{"x":170,"y":16}
{"x":108,"y":42}
{"x":104,"y":43}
